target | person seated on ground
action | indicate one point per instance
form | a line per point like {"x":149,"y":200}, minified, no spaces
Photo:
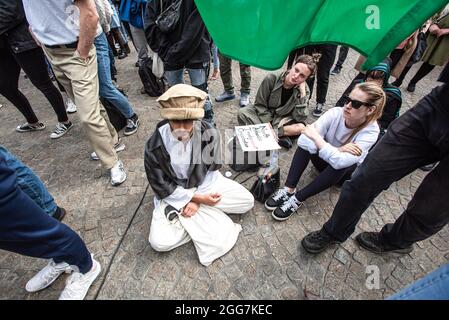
{"x":336,"y":144}
{"x":182,"y":159}
{"x":30,"y":183}
{"x":380,"y":74}
{"x":28,"y":230}
{"x":282,"y":100}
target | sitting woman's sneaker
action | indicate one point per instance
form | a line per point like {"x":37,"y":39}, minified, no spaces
{"x":278,"y":198}
{"x":284,"y":211}
{"x":26,"y":127}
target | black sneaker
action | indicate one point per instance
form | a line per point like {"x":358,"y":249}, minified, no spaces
{"x":26,"y":127}
{"x":397,"y":83}
{"x":371,"y":242}
{"x":60,"y":130}
{"x":132,"y":125}
{"x":288,"y":208}
{"x":336,"y":70}
{"x":411,"y":87}
{"x":429,"y":167}
{"x":318,"y":111}
{"x":285,"y":142}
{"x":318,"y":241}
{"x":277,"y":199}
{"x":59,"y":214}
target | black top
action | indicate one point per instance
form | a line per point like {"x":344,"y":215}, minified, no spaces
{"x":286,"y":95}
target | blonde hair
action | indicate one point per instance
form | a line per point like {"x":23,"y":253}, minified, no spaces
{"x":376,"y":98}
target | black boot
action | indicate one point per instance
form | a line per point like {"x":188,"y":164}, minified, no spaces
{"x":318,"y":241}
{"x":372,"y":242}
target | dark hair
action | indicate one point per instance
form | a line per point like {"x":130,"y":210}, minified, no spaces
{"x":309,"y":60}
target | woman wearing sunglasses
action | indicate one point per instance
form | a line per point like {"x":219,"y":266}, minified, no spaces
{"x":336,"y":143}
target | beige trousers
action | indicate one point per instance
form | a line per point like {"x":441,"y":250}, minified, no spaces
{"x":211,"y":230}
{"x":80,"y":80}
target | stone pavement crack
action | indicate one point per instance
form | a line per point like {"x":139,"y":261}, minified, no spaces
{"x":120,"y":243}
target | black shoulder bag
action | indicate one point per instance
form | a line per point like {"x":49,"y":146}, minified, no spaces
{"x":168,"y":19}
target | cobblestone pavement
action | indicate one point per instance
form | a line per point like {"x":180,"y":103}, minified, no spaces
{"x":267,"y":261}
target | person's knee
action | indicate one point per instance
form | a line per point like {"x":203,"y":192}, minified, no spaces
{"x":241,"y":116}
{"x":159,"y":244}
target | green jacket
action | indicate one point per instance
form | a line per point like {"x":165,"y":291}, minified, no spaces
{"x":268,"y":101}
{"x":437,"y":51}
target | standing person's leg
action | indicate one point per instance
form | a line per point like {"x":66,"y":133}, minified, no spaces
{"x":107,"y":89}
{"x":427,"y":212}
{"x":27,"y":230}
{"x":245,"y":75}
{"x":423,"y":71}
{"x":174,"y":77}
{"x":30,"y":183}
{"x":324,"y":66}
{"x":404,"y":148}
{"x":342,"y":55}
{"x":34,"y":65}
{"x":434,"y":286}
{"x":140,"y":42}
{"x":395,"y":56}
{"x":198,"y":79}
{"x":80,"y":79}
{"x":400,"y":79}
{"x":9,"y":88}
{"x":226,"y":78}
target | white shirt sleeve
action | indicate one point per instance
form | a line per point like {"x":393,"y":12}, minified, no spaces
{"x":179,"y":198}
{"x":322,"y":125}
{"x":340,"y":160}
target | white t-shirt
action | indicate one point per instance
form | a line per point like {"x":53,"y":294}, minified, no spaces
{"x":54,"y":22}
{"x":331,"y":126}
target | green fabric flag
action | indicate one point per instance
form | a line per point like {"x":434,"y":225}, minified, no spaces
{"x":262,"y":33}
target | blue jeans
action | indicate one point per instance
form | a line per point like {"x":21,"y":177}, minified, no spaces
{"x":198,"y":79}
{"x":29,"y":182}
{"x":107,"y":89}
{"x":434,"y":286}
{"x":27,"y":230}
{"x":215,"y":56}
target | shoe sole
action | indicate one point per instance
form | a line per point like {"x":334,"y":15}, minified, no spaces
{"x":62,"y":134}
{"x":318,"y":250}
{"x":38,"y":129}
{"x":399,"y":251}
{"x":270,"y":208}
{"x":317,"y":115}
{"x":70,"y":112}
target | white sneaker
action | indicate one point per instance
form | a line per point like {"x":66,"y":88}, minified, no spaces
{"x":78,"y":284}
{"x":119,"y":146}
{"x":118,"y":174}
{"x":70,"y":107}
{"x":47,"y":276}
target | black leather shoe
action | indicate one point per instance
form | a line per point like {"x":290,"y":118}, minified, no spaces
{"x":411,"y":87}
{"x":372,"y":242}
{"x":285,"y":142}
{"x":318,"y":241}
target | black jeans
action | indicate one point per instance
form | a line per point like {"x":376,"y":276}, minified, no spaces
{"x":33,"y":63}
{"x":327,"y":178}
{"x":417,"y":138}
{"x":328,"y":52}
{"x":342,"y":55}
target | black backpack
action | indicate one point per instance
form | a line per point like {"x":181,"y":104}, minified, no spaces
{"x":153,"y":86}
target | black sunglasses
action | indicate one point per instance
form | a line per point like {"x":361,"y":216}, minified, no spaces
{"x":356,"y":104}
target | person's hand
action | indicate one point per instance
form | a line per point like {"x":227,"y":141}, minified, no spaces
{"x":310,"y":131}
{"x":211,"y":199}
{"x":433,"y":29}
{"x":440,"y":32}
{"x":190,"y":209}
{"x":83,"y":54}
{"x":351,"y":148}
